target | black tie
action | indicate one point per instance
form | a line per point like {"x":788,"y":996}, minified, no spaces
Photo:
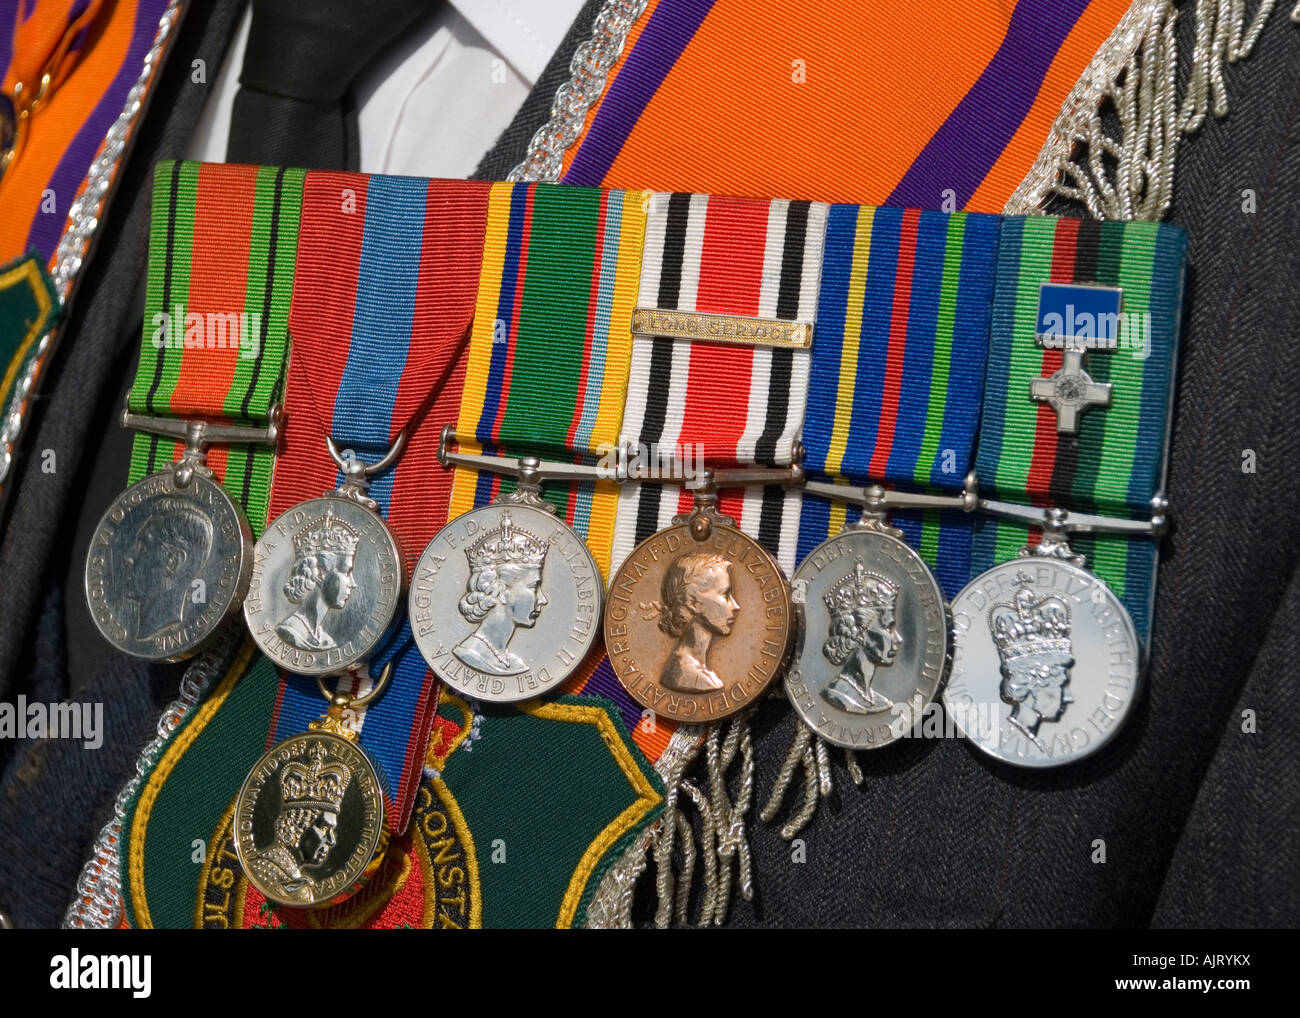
{"x":294,"y":106}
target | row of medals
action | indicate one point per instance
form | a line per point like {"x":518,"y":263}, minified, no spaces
{"x":1041,"y":659}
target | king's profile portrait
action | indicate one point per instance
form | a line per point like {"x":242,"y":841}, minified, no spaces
{"x":168,"y":554}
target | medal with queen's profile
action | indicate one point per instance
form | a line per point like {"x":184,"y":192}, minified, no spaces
{"x":327,"y":579}
{"x":873,"y":637}
{"x":699,"y":620}
{"x":505,"y":600}
{"x":1046,"y":662}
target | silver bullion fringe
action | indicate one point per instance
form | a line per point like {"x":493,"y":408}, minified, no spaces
{"x":98,"y":904}
{"x":588,"y":71}
{"x":83,"y":221}
{"x":1133,"y":75}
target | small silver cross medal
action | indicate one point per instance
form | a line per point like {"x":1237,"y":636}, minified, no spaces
{"x":1075,"y":319}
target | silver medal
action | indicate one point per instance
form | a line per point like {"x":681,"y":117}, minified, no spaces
{"x":327,"y":578}
{"x":168,"y":564}
{"x":170,"y":560}
{"x":873,"y":638}
{"x":1046,"y":662}
{"x":506,"y":599}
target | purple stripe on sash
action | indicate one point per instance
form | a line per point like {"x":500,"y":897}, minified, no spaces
{"x":47,"y":227}
{"x":672,"y":25}
{"x":967,"y":144}
{"x":8,"y":24}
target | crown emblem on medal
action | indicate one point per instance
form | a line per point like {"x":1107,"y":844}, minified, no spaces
{"x":507,"y":544}
{"x":1030,"y":625}
{"x":860,"y":589}
{"x":316,"y":785}
{"x":327,"y":533}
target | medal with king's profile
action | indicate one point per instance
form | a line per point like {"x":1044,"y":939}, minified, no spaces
{"x":171,"y":558}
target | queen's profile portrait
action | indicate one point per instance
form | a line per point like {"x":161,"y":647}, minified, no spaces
{"x":1032,"y":636}
{"x":696,"y":606}
{"x":324,"y":554}
{"x":861,"y":639}
{"x":306,"y":828}
{"x":503,"y":593}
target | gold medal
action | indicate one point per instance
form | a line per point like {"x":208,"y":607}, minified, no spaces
{"x":309,"y":820}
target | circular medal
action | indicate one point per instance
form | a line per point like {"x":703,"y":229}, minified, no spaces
{"x":327,"y":578}
{"x":873,"y":639}
{"x":505,"y":602}
{"x":698,"y":621}
{"x":1045,"y":662}
{"x":168,"y":564}
{"x":309,"y":820}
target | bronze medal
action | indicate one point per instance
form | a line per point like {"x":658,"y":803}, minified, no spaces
{"x":699,"y":619}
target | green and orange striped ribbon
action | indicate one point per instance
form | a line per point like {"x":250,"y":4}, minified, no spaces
{"x":216,"y":318}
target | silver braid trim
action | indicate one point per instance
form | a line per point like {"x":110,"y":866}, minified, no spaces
{"x":589,"y":70}
{"x":83,"y":221}
{"x":1134,"y":75}
{"x":98,"y":904}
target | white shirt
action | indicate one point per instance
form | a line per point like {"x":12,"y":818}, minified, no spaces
{"x":434,"y":102}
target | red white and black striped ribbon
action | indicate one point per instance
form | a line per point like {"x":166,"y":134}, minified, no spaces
{"x":720,"y":403}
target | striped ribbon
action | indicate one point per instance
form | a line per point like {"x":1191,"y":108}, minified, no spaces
{"x":222,"y":247}
{"x":548,"y":365}
{"x":1115,"y":463}
{"x":722,"y":403}
{"x":898,"y":368}
{"x":861,"y":102}
{"x":381,"y":311}
{"x":103,"y":62}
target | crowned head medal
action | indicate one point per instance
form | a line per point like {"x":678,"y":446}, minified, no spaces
{"x":505,"y":600}
{"x":327,"y":577}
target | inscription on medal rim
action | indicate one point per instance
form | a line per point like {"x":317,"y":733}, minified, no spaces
{"x":696,"y":630}
{"x":327,"y":578}
{"x":504,"y":602}
{"x":1049,"y":652}
{"x":873,"y":639}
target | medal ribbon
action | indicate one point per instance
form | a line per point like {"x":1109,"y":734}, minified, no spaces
{"x":722,"y":403}
{"x":898,"y":369}
{"x":1114,"y":464}
{"x":548,"y":365}
{"x":381,"y":309}
{"x":222,"y":249}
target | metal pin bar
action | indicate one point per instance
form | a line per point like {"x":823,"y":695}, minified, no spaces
{"x":527,"y":468}
{"x":1063,"y":521}
{"x":878,"y":499}
{"x":200,"y":433}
